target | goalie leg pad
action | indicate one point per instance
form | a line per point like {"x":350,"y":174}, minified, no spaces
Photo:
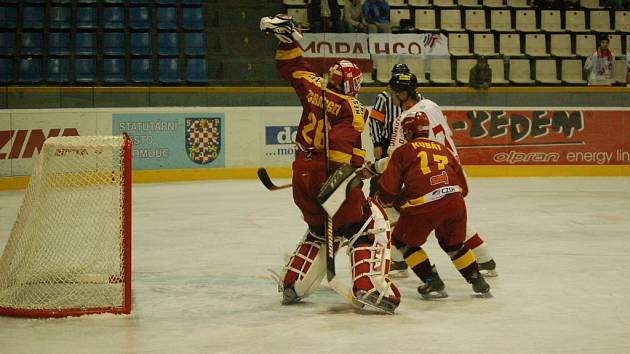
{"x":370,"y":258}
{"x":304,"y":270}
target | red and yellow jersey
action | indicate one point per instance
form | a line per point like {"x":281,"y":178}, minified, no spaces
{"x":346,"y":114}
{"x":418,"y":173}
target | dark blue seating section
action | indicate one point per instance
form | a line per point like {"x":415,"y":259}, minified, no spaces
{"x":66,"y":42}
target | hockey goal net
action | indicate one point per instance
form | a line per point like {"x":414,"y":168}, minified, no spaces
{"x":69,"y":252}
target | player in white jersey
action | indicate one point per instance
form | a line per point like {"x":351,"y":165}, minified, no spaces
{"x":404,"y":87}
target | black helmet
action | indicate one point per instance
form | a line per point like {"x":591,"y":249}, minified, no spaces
{"x":400,"y":69}
{"x":404,"y":82}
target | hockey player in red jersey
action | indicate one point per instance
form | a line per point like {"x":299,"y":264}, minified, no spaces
{"x":346,"y":117}
{"x":424,"y":181}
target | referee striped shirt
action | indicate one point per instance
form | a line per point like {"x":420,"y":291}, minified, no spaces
{"x":382,"y":119}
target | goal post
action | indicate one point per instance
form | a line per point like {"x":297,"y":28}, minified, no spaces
{"x":69,"y":252}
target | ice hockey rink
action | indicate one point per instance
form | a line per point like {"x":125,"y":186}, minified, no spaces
{"x":201,"y":250}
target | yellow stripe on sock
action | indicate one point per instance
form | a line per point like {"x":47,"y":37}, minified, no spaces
{"x":416,"y":258}
{"x":464,"y":261}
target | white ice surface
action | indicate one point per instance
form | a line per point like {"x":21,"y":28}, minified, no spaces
{"x":200,"y":253}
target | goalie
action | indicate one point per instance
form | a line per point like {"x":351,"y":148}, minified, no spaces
{"x":356,"y":218}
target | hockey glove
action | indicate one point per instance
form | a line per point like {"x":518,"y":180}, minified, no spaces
{"x":282,"y":26}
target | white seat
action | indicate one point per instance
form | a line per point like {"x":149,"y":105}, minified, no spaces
{"x":425,"y":19}
{"x":520,"y":72}
{"x":535,"y":45}
{"x":572,"y":72}
{"x":561,"y":45}
{"x":484,"y":44}
{"x":475,"y":20}
{"x":458,"y":44}
{"x":550,"y":21}
{"x":299,"y":15}
{"x":395,"y":15}
{"x":575,"y":21}
{"x":615,"y":44}
{"x":600,"y":21}
{"x":510,"y":44}
{"x":585,"y":44}
{"x":526,"y":21}
{"x":498,"y":71}
{"x":546,"y":71}
{"x":620,"y":71}
{"x":468,"y":3}
{"x":463,"y":70}
{"x":590,"y":4}
{"x":517,"y":3}
{"x":416,"y":66}
{"x":441,"y":71}
{"x":384,"y":65}
{"x":395,"y":3}
{"x":419,"y":3}
{"x":501,"y":20}
{"x":451,"y":20}
{"x":493,"y":3}
{"x":444,"y":3}
{"x":622,"y":21}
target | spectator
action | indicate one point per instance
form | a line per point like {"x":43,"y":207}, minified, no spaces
{"x":628,"y":67}
{"x":353,"y":16}
{"x":376,"y":14}
{"x":480,"y":75}
{"x":600,"y":64}
{"x":315,"y":16}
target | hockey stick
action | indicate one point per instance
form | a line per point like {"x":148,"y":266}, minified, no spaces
{"x":266,"y":180}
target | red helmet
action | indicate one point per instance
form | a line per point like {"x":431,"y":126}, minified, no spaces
{"x":415,"y":123}
{"x":346,"y":76}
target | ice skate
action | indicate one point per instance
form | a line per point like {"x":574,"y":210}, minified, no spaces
{"x":371,"y":301}
{"x":399,"y":270}
{"x":289,"y":296}
{"x":488,"y":269}
{"x":434,"y":288}
{"x":479,"y":284}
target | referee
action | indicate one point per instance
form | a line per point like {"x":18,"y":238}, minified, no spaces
{"x":382,"y":117}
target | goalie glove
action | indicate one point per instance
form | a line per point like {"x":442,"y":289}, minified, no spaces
{"x":282,"y":26}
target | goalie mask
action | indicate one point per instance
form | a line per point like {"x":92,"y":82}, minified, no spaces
{"x":345,"y":76}
{"x":415,"y":124}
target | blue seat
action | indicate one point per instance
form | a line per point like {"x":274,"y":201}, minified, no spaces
{"x":169,"y":71}
{"x":114,"y":17}
{"x":168,"y":43}
{"x":59,"y":43}
{"x":166,"y":18}
{"x":6,"y":70}
{"x":87,"y":1}
{"x":58,"y":69}
{"x":8,"y":17}
{"x":139,"y":17}
{"x":31,"y":43}
{"x":140,"y":43}
{"x":193,"y":18}
{"x":195,"y":43}
{"x":60,"y":17}
{"x":86,"y":43}
{"x":7,"y":43}
{"x":141,"y":70}
{"x":166,"y":2}
{"x":139,"y":2}
{"x":114,"y":1}
{"x":85,"y":70}
{"x":192,"y":2}
{"x":33,"y":17}
{"x":114,"y":70}
{"x":114,"y":43}
{"x":86,"y":17}
{"x":61,"y":1}
{"x":197,"y":71}
{"x":30,"y":70}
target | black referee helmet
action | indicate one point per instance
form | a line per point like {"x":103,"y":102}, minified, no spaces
{"x":400,"y":69}
{"x":404,"y":82}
